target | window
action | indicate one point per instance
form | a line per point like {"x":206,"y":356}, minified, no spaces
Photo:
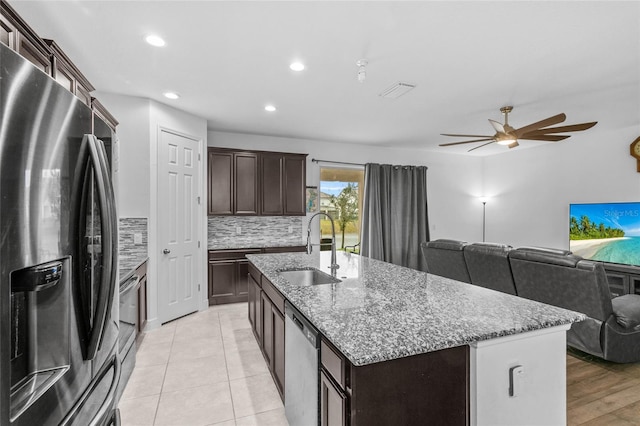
{"x":340,"y":196}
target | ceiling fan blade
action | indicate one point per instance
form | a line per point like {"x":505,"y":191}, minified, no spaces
{"x":466,"y":136}
{"x":460,"y":143}
{"x":513,"y":145}
{"x":498,"y":126}
{"x":540,"y":124}
{"x":480,"y":146}
{"x":548,"y":138}
{"x":562,"y":129}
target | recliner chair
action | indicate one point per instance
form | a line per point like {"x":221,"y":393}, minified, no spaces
{"x":559,"y":278}
{"x":489,"y":266}
{"x":446,"y":258}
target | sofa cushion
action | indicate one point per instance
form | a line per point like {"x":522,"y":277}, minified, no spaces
{"x":627,"y":310}
{"x":546,"y":255}
{"x":488,"y":266}
{"x":445,"y":244}
{"x":565,"y":281}
{"x":446,"y":258}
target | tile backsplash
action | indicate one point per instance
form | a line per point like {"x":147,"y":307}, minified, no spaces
{"x":255,"y":231}
{"x":132,"y":228}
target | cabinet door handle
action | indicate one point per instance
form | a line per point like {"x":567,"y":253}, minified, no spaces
{"x":166,"y":251}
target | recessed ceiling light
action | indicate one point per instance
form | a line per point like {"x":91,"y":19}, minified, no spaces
{"x":171,"y":95}
{"x":155,"y":40}
{"x":297,"y":66}
{"x":270,"y":108}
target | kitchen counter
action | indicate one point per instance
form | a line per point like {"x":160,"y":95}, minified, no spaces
{"x":382,"y":312}
{"x":128,"y":263}
{"x":235,"y":244}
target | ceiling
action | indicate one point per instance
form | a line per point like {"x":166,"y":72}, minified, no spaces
{"x":228,"y":59}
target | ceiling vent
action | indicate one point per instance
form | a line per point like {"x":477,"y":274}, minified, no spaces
{"x":397,"y":90}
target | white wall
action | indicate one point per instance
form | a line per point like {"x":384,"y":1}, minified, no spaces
{"x":531,"y":189}
{"x":132,"y":114}
{"x":453,"y":181}
{"x":140,"y":121}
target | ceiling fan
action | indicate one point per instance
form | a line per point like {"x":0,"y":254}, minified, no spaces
{"x":538,"y":131}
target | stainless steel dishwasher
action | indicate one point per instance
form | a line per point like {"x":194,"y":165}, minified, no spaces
{"x":302,"y":370}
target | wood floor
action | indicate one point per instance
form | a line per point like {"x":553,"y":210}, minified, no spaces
{"x":601,"y":392}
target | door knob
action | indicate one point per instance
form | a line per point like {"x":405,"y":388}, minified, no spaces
{"x":166,"y":251}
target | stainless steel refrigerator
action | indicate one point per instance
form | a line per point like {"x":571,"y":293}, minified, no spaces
{"x":58,"y":256}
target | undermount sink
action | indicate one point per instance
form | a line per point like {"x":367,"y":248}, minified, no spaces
{"x":308,"y":277}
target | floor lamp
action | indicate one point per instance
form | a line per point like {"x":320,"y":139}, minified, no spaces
{"x":483,"y":200}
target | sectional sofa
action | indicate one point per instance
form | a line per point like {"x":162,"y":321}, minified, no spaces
{"x":551,"y":276}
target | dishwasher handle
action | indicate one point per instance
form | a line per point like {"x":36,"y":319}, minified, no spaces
{"x":306,"y":328}
{"x":297,"y":321}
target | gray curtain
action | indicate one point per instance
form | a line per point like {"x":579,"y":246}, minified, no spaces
{"x":394,"y":214}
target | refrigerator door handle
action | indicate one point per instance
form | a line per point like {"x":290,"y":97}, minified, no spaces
{"x":112,"y":217}
{"x":109,"y":247}
{"x":109,"y":401}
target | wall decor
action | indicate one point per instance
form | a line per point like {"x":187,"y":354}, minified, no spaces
{"x":312,"y":199}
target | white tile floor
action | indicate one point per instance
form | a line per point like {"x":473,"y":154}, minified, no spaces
{"x":203,"y":369}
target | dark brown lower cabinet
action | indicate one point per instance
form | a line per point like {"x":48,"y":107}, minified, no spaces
{"x":142,"y":301}
{"x":242,"y":281}
{"x":255,"y":307}
{"x":430,"y":388}
{"x":228,"y":271}
{"x":296,"y":249}
{"x":622,"y":279}
{"x":278,"y":350}
{"x":267,"y":329}
{"x":333,"y":403}
{"x":252,"y":289}
{"x":142,"y":304}
{"x":273,"y":339}
{"x":266,"y":315}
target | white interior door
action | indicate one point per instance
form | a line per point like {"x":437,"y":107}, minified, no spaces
{"x":178,"y":189}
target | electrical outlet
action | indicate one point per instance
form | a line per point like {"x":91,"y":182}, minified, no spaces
{"x":516,"y":381}
{"x":137,"y":238}
{"x":238,"y":230}
{"x":290,"y":229}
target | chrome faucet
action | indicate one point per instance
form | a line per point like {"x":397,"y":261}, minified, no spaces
{"x":334,"y":264}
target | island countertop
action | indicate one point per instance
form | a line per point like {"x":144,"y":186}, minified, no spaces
{"x":382,"y":311}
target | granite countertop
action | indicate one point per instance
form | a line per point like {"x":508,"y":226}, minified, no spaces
{"x":235,"y":244}
{"x":382,"y":311}
{"x":128,"y":263}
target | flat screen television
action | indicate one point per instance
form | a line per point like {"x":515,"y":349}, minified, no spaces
{"x":607,"y":232}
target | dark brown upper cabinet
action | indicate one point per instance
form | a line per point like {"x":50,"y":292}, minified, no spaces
{"x":43,"y":53}
{"x":220,"y":182}
{"x":99,"y":111}
{"x":283,"y":180}
{"x":295,"y":181}
{"x":255,"y":183}
{"x":271,"y":184}
{"x":246,"y":183}
{"x":68,"y":75}
{"x":232,"y":182}
{"x":15,"y":33}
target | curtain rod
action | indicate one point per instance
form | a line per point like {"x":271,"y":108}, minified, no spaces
{"x":314,"y":160}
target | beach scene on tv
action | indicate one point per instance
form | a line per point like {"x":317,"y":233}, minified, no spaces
{"x":606,"y":232}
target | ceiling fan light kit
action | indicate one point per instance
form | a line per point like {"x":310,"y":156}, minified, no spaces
{"x":538,"y":131}
{"x":362,"y":69}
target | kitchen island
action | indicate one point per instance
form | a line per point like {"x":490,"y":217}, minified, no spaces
{"x":410,"y":347}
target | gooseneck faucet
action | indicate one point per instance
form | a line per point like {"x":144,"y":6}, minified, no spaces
{"x":334,"y":264}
